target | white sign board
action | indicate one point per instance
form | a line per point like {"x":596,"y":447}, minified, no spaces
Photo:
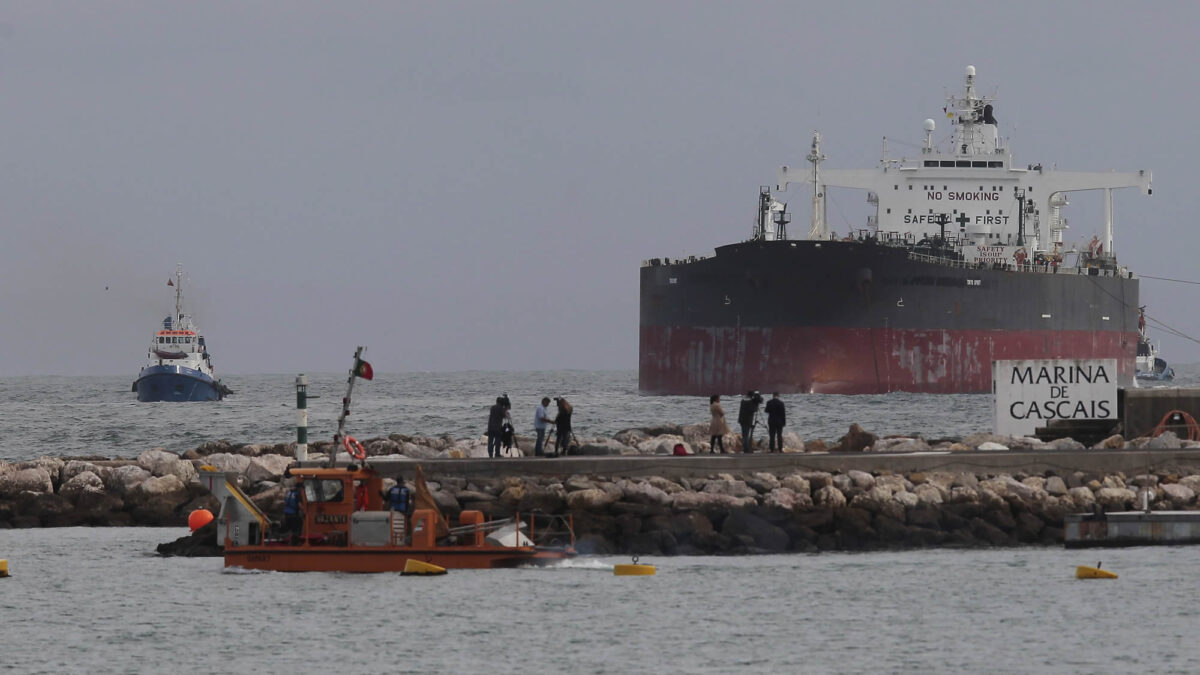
{"x":1028,"y":394}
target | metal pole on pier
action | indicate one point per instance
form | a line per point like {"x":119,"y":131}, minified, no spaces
{"x":302,"y":422}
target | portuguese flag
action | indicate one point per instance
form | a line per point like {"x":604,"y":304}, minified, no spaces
{"x":363,"y":369}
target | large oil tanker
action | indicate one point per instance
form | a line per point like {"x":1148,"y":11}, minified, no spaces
{"x":962,"y":263}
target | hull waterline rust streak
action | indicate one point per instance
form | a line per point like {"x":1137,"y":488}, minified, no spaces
{"x":964,"y":261}
{"x":853,"y":361}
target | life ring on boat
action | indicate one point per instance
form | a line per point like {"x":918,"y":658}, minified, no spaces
{"x":356,"y":449}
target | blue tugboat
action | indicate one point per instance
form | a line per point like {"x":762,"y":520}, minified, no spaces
{"x":180,"y":367}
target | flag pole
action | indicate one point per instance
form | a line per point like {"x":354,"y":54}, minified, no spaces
{"x":337,"y":437}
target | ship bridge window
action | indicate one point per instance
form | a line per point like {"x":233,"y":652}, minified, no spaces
{"x":948,"y":164}
{"x":995,"y":165}
{"x":931,"y":163}
{"x":963,"y":164}
{"x":323,"y":490}
{"x":979,"y":165}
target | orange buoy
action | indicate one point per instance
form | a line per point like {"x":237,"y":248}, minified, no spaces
{"x":199,"y":518}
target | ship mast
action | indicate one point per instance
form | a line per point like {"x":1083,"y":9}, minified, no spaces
{"x":818,"y":229}
{"x":179,"y":292}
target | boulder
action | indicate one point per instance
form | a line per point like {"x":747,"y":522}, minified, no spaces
{"x":1167,"y":440}
{"x":34,"y":479}
{"x":792,"y":442}
{"x":709,"y":502}
{"x":630,"y":437}
{"x":603,"y":447}
{"x":1056,"y":486}
{"x":592,"y":499}
{"x":816,"y":445}
{"x":75,"y":467}
{"x":1065,"y":444}
{"x":84,"y":480}
{"x":762,"y":482}
{"x":161,"y":494}
{"x":797,"y":483}
{"x":817,"y":479}
{"x":829,"y":497}
{"x":643,"y":493}
{"x":1192,"y":482}
{"x":228,"y":462}
{"x":661,"y":445}
{"x":755,"y":531}
{"x":665,"y":485}
{"x":856,"y":440}
{"x":415,"y":451}
{"x":1116,"y":498}
{"x":733,"y":488}
{"x":861,"y":479}
{"x":267,"y":467}
{"x":991,"y":446}
{"x":1178,"y":494}
{"x":123,"y":479}
{"x":159,"y":462}
{"x":976,"y":440}
{"x":928,"y":494}
{"x":786,"y":499}
{"x":1114,"y":442}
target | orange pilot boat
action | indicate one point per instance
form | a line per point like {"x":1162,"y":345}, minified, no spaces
{"x":345,"y":526}
{"x":340,"y":521}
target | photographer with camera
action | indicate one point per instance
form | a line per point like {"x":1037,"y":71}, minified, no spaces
{"x":562,"y":421}
{"x":748,"y":417}
{"x":497,"y":418}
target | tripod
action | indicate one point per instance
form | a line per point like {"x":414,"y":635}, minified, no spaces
{"x":552,"y":441}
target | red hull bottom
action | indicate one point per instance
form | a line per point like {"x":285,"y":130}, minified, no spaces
{"x":703,"y":361}
{"x":384,"y":558}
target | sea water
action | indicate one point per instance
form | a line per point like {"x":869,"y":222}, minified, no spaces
{"x":72,"y":416}
{"x":97,"y":601}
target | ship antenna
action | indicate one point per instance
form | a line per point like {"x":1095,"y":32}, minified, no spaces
{"x":817,"y":229}
{"x":179,"y":291}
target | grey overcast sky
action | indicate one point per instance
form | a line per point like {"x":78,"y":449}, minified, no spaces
{"x":474,"y":185}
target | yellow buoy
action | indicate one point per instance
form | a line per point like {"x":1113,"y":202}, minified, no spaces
{"x":1085,"y":572}
{"x":3,"y":568}
{"x":634,"y":570}
{"x":419,"y":568}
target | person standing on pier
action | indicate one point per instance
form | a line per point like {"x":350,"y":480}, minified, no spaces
{"x":776,"y":418}
{"x":717,"y":428}
{"x":747,"y":413}
{"x":495,"y":426}
{"x":563,"y":422}
{"x":541,"y":420}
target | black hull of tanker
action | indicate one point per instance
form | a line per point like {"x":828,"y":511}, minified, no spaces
{"x":860,"y":318}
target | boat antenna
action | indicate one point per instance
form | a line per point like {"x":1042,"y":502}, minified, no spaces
{"x":341,"y":427}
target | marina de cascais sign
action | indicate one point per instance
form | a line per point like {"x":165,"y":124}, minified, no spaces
{"x":1029,"y":394}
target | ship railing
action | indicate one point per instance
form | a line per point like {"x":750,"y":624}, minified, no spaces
{"x":1042,"y":268}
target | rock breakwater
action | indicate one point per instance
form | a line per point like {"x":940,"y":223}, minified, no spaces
{"x":669,"y":513}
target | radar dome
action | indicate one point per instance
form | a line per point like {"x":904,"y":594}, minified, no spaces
{"x":929,"y":125}
{"x":970,"y":71}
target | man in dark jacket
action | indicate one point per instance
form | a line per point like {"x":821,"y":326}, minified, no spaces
{"x":495,"y":424}
{"x":776,"y":418}
{"x":746,"y":413}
